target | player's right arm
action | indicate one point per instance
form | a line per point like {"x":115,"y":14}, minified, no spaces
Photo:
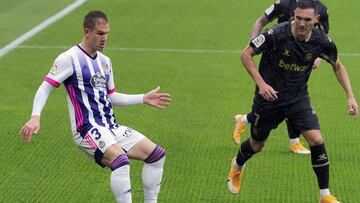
{"x":33,"y":125}
{"x":259,"y":44}
{"x":60,"y":71}
{"x":265,"y":90}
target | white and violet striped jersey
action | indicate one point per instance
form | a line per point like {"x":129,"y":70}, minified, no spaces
{"x":88,"y":82}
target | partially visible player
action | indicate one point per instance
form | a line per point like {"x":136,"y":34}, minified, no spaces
{"x":282,"y":10}
{"x":288,"y":51}
{"x":87,"y":75}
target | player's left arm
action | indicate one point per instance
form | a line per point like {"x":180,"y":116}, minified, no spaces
{"x":343,"y":78}
{"x":153,"y":98}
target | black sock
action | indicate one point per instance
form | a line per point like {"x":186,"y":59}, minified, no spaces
{"x":320,"y":163}
{"x":245,"y":153}
{"x":250,"y":117}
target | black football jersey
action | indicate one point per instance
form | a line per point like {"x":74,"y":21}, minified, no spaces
{"x":283,"y":10}
{"x":286,"y":63}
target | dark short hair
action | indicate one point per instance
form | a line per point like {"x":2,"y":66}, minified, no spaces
{"x":305,"y":4}
{"x":91,"y":17}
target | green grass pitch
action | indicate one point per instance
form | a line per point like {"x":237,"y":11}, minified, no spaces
{"x":207,"y":87}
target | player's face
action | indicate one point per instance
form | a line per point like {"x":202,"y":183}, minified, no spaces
{"x":305,"y":19}
{"x":97,"y":37}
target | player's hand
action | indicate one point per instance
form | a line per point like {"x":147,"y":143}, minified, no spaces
{"x":353,"y":107}
{"x":30,"y":127}
{"x":157,"y":99}
{"x":267,"y":92}
{"x":316,"y":63}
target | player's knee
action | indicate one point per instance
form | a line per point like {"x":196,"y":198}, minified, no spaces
{"x":318,"y":140}
{"x":157,"y":155}
{"x":121,"y":160}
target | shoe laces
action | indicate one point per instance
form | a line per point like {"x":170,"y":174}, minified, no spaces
{"x":235,"y":176}
{"x":299,"y":146}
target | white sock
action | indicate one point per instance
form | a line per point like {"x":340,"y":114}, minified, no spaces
{"x":236,"y":165}
{"x":151,"y":178}
{"x":120,"y":184}
{"x":324,"y":192}
{"x":294,"y":141}
{"x":244,"y":119}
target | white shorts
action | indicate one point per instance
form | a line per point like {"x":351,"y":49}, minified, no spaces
{"x":99,"y":138}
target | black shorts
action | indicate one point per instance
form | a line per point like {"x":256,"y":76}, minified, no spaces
{"x":300,"y":115}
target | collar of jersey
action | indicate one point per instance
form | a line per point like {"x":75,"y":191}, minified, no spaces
{"x":93,"y":58}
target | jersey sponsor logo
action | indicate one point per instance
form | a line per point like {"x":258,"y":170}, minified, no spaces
{"x":55,"y":69}
{"x":269,"y":10}
{"x":98,"y":82}
{"x":292,"y":67}
{"x":258,"y":41}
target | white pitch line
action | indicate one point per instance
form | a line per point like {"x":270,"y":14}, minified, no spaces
{"x":41,"y":26}
{"x":124,"y":49}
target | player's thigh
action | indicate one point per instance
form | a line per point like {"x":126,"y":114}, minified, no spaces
{"x":134,"y":143}
{"x":100,"y":144}
{"x":142,"y":149}
{"x":302,"y":117}
{"x":265,"y":120}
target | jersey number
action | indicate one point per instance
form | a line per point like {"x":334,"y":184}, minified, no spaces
{"x":96,"y":132}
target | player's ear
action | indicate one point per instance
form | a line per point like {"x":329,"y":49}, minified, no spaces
{"x":317,"y":18}
{"x":86,"y":31}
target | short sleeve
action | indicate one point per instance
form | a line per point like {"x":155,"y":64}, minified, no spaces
{"x":329,"y":52}
{"x":324,"y":22}
{"x":273,"y":11}
{"x":60,"y":71}
{"x":262,"y":42}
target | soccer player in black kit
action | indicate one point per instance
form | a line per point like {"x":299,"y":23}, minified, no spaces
{"x":283,"y":10}
{"x":288,"y":53}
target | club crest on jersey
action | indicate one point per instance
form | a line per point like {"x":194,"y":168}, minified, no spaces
{"x":55,"y":69}
{"x":98,"y":82}
{"x":258,"y":41}
{"x":308,"y":57}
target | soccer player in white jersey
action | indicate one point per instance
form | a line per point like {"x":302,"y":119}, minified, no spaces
{"x":87,"y":76}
